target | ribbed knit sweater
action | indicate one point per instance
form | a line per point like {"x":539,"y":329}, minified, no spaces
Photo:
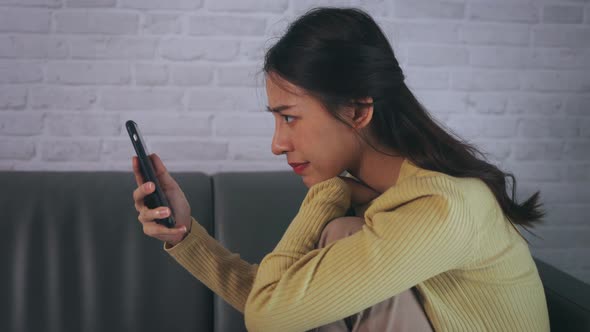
{"x":445,"y":235}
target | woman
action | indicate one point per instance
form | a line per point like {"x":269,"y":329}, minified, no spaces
{"x":435,"y":248}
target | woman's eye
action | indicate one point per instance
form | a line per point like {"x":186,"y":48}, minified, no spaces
{"x":287,"y":116}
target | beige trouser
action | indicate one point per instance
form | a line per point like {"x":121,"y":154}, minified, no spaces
{"x":402,"y":312}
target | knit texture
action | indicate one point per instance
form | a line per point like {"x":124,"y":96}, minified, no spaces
{"x":445,"y":235}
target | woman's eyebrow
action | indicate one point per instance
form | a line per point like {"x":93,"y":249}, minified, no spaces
{"x":278,"y":109}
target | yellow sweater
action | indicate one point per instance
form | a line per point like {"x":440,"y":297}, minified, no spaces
{"x":447,"y":236}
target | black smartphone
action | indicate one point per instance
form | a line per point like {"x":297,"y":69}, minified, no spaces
{"x":157,"y":198}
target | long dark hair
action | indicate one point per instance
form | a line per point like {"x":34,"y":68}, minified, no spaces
{"x":340,"y":55}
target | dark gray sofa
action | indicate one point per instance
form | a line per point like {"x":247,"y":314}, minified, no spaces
{"x":74,"y":256}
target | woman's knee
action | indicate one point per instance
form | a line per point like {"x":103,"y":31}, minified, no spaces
{"x":339,"y":228}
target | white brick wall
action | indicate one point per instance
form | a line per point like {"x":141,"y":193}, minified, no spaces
{"x":512,"y":76}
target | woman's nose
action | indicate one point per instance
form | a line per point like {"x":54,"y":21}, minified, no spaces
{"x":280,"y":143}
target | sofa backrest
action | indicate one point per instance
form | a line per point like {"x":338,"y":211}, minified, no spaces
{"x":252,"y":211}
{"x":74,"y":257}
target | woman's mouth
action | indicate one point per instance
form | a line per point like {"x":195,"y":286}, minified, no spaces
{"x":299,"y":167}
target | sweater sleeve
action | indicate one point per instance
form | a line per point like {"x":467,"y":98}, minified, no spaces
{"x":224,"y":272}
{"x":298,"y":287}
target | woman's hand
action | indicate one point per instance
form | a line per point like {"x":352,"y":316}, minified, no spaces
{"x":360,"y":193}
{"x":175,"y":196}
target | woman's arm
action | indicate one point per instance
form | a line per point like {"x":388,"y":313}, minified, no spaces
{"x":298,"y":287}
{"x":224,"y":272}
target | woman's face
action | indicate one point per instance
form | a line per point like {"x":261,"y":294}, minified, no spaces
{"x":307,"y":132}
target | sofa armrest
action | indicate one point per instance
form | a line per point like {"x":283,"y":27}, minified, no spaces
{"x":568,"y":299}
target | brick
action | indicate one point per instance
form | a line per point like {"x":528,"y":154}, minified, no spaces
{"x":151,"y":74}
{"x":156,"y":23}
{"x":577,"y":150}
{"x":13,"y":97}
{"x":375,"y":8}
{"x":492,"y":149}
{"x":172,"y":123}
{"x":535,"y":104}
{"x":20,"y":72}
{"x":558,"y":193}
{"x":83,"y":124}
{"x":423,"y":32}
{"x":33,"y":47}
{"x":226,"y":25}
{"x":273,"y":6}
{"x":277,"y":25}
{"x":90,"y":3}
{"x":251,"y":149}
{"x":62,"y":98}
{"x":16,"y":149}
{"x":254,"y":166}
{"x":428,"y":9}
{"x":244,"y":125}
{"x":186,"y":49}
{"x":70,"y":150}
{"x":88,"y":73}
{"x":443,"y":101}
{"x":437,"y":56}
{"x":107,"y":22}
{"x":479,"y":80}
{"x":145,"y":99}
{"x":180,"y":150}
{"x":535,"y":150}
{"x":561,"y":36}
{"x":165,"y":5}
{"x":549,"y":127}
{"x":471,"y":127}
{"x":487,"y":103}
{"x":537,"y":171}
{"x":563,"y":14}
{"x":578,"y":105}
{"x":24,"y":20}
{"x":240,"y":76}
{"x":493,"y":34}
{"x":32,"y":3}
{"x":427,"y":79}
{"x":119,"y":149}
{"x":560,"y":58}
{"x":577,"y":81}
{"x":104,"y":47}
{"x":191,"y":75}
{"x":253,"y":49}
{"x":225,"y":99}
{"x":578,"y":172}
{"x":500,"y":57}
{"x":504,"y":12}
{"x":20,"y":123}
{"x":299,"y":7}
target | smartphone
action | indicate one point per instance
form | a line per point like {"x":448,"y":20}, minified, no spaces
{"x":157,"y":198}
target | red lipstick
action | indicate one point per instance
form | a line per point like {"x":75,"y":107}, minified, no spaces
{"x":299,"y":167}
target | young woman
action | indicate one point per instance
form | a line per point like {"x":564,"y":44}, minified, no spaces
{"x":429,"y":244}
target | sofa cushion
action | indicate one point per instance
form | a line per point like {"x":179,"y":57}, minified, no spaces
{"x":75,"y":257}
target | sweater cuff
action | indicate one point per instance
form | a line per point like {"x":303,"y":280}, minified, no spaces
{"x":197,"y":233}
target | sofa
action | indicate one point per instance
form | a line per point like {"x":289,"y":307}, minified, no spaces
{"x":74,"y":256}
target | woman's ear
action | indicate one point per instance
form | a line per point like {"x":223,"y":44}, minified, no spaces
{"x":362,"y":112}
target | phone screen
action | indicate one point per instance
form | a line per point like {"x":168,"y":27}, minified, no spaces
{"x":157,"y":198}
